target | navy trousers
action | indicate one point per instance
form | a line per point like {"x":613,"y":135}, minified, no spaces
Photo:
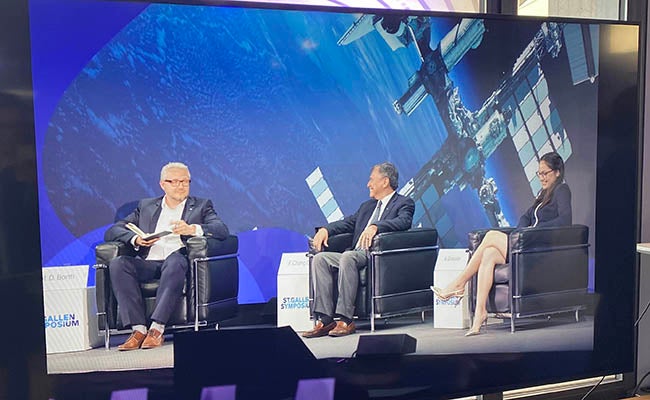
{"x":126,"y":274}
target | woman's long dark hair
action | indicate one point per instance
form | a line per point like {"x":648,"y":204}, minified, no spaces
{"x":555,"y":163}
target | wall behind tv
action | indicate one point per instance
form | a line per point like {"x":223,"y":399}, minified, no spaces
{"x":643,"y":332}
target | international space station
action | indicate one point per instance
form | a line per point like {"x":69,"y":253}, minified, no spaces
{"x":520,"y":109}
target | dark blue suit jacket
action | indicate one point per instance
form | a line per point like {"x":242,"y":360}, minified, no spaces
{"x":398,"y":216}
{"x":556,"y":213}
{"x":197,"y":211}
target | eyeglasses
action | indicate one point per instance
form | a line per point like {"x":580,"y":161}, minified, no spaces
{"x":178,"y":182}
{"x":543,"y":174}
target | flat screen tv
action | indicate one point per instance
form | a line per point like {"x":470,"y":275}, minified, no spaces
{"x":259,"y":99}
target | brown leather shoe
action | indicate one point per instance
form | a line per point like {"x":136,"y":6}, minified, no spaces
{"x":154,"y":338}
{"x":133,"y":342}
{"x":319,"y":330}
{"x":343,"y":329}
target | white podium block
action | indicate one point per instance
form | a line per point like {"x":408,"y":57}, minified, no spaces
{"x":70,"y":310}
{"x":450,"y":313}
{"x":293,"y":292}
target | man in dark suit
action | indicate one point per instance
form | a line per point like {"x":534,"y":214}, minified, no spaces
{"x":387,"y":211}
{"x":163,"y":258}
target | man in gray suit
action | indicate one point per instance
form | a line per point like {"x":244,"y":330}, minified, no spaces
{"x":387,"y":211}
{"x":162,"y":258}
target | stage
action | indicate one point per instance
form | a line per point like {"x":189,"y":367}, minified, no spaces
{"x":560,"y":333}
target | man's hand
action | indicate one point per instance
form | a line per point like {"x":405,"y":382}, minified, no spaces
{"x":320,"y":239}
{"x":182,"y":228}
{"x":140,"y":242}
{"x":365,"y":240}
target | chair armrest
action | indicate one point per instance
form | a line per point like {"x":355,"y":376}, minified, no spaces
{"x":336,"y":243}
{"x":402,"y":268}
{"x":549,"y":238}
{"x":549,"y":260}
{"x":213,"y":277}
{"x":417,"y":238}
{"x":105,"y":252}
{"x":106,"y":303}
{"x":202,"y":247}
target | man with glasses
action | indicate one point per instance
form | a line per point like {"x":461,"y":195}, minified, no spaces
{"x":159,"y":257}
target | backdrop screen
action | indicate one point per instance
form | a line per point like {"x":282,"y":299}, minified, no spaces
{"x":280,"y":116}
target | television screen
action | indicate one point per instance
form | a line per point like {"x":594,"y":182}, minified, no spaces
{"x":281,"y":112}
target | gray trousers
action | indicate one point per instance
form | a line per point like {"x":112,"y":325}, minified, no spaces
{"x":348,"y":264}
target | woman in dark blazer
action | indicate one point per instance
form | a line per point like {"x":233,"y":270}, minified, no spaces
{"x":552,"y":207}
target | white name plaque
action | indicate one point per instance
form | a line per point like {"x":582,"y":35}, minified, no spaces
{"x":293,"y":292}
{"x":70,"y":309}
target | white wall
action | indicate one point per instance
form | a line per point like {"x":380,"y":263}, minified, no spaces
{"x":601,"y":9}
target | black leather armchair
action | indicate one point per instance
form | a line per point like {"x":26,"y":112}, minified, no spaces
{"x":399,"y":275}
{"x":547,"y":272}
{"x":209,"y":295}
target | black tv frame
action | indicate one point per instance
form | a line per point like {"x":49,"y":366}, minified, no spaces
{"x":20,"y":270}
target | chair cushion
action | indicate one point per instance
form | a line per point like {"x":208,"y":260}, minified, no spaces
{"x":149,"y":288}
{"x":499,"y":299}
{"x":502,"y":273}
{"x":363,"y":276}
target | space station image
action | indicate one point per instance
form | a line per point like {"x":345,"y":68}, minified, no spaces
{"x":519,"y":110}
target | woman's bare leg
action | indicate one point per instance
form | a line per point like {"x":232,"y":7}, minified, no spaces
{"x":492,"y":239}
{"x":491,"y":257}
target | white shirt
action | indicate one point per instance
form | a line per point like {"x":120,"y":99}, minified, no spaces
{"x":535,"y":213}
{"x":170,"y":243}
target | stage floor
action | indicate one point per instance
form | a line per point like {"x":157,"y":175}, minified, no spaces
{"x":532,"y":335}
